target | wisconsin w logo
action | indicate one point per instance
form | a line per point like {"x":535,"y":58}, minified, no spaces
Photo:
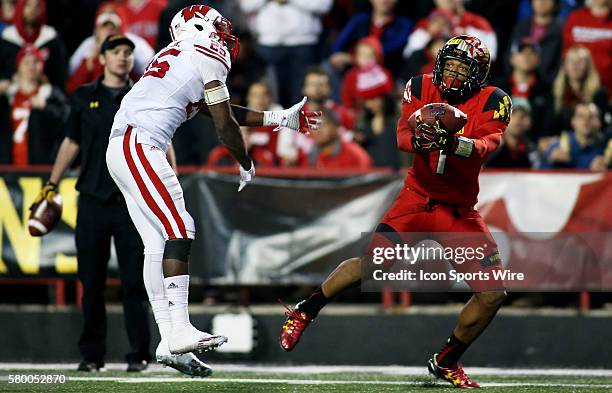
{"x":194,"y":11}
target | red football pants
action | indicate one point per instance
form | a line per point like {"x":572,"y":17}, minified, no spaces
{"x":414,"y":217}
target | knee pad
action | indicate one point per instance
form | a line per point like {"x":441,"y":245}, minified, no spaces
{"x":178,"y":249}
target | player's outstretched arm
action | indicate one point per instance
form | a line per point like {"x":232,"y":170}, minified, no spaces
{"x":294,"y":118}
{"x":228,"y":129}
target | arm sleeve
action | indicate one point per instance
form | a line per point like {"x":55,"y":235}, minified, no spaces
{"x":314,"y":6}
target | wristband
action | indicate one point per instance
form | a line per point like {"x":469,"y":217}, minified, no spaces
{"x":464,"y":148}
{"x":272,"y":118}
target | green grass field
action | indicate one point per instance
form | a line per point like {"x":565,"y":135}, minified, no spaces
{"x":254,"y":382}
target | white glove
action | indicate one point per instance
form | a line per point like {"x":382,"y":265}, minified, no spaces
{"x":289,"y":118}
{"x":246,"y":176}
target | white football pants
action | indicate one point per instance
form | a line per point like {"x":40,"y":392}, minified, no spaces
{"x":155,"y":203}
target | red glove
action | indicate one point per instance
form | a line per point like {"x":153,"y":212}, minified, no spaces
{"x":309,"y":121}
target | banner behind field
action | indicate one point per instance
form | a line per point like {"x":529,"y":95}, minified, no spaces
{"x":295,"y":230}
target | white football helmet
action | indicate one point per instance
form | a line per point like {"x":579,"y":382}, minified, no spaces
{"x":204,"y":21}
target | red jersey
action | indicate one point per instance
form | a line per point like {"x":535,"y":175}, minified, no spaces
{"x":20,"y":114}
{"x":582,"y":28}
{"x":144,"y":20}
{"x":445,"y":177}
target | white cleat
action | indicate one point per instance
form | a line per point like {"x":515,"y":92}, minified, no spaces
{"x":190,"y":339}
{"x":187,"y":363}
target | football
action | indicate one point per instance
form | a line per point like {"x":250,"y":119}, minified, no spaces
{"x":450,"y":118}
{"x":44,"y":216}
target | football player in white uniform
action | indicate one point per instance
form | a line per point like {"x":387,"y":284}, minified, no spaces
{"x":185,"y":77}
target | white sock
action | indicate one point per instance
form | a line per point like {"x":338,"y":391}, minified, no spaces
{"x":154,"y":283}
{"x":162,"y":317}
{"x":177,"y":292}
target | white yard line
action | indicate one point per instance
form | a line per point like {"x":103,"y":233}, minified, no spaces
{"x":322,"y":369}
{"x":317,"y":382}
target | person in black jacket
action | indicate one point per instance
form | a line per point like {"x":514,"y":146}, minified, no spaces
{"x":30,"y":28}
{"x":32,"y":113}
{"x":102,"y":211}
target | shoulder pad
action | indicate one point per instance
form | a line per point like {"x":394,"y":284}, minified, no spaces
{"x":414,"y":88}
{"x":499,"y":102}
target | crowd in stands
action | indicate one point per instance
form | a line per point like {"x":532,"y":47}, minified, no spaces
{"x":352,"y":58}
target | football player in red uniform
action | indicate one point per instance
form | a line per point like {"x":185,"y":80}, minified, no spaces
{"x":439,"y":195}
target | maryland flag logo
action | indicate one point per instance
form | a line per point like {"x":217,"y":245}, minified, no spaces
{"x":504,"y":110}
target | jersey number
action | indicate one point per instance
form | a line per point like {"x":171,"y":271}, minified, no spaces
{"x":441,"y":163}
{"x":158,"y":68}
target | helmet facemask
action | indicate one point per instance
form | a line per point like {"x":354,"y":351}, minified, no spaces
{"x":472,"y":53}
{"x":223,"y":29}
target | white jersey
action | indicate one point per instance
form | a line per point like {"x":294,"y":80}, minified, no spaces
{"x":171,"y":90}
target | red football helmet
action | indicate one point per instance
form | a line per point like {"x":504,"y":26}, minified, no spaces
{"x":469,"y":50}
{"x":204,"y":21}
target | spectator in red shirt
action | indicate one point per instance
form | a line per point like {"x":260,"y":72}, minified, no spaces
{"x":142,"y":18}
{"x":591,"y":27}
{"x":367,"y":77}
{"x":462,"y":22}
{"x":330,"y":151}
{"x":37,"y":111}
{"x":85,"y":66}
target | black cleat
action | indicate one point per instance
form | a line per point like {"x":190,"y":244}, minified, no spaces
{"x":136,"y":367}
{"x":90,"y":366}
